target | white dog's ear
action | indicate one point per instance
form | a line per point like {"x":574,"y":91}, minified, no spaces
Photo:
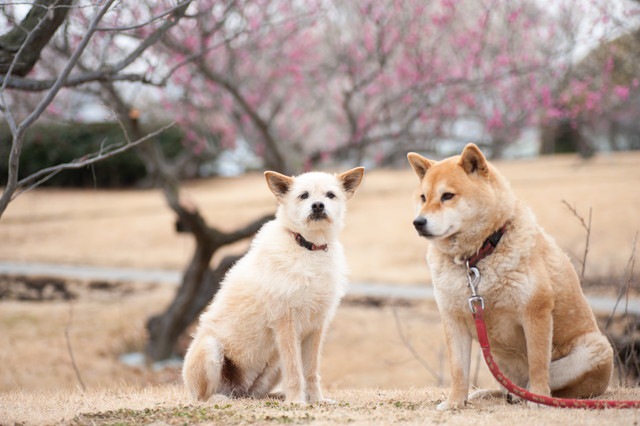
{"x":419,"y":164}
{"x":278,"y":183}
{"x":351,"y":180}
{"x":472,"y":160}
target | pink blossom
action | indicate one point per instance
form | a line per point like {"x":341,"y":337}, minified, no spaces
{"x":547,"y":100}
{"x":592,"y":101}
{"x":622,"y":92}
{"x":191,"y":42}
{"x":495,"y":122}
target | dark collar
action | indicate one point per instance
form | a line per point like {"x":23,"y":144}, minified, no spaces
{"x":487,"y":247}
{"x":303,"y":242}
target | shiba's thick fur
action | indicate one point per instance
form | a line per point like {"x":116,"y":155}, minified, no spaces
{"x":542,"y":332}
{"x":268,"y":320}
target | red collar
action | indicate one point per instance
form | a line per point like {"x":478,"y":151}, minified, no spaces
{"x":303,"y":242}
{"x":487,"y":247}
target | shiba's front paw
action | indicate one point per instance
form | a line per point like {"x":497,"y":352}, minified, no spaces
{"x":481,"y":394}
{"x":540,"y":390}
{"x":451,"y":405}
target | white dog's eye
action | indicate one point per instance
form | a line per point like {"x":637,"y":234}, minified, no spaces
{"x":447,"y":196}
{"x":423,"y":198}
{"x":331,"y":195}
{"x":304,"y":195}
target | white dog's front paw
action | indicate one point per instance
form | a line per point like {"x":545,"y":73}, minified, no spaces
{"x":450,"y":405}
{"x":325,"y":401}
{"x":297,"y":400}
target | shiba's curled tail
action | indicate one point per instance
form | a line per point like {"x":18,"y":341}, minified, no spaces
{"x":202,"y":367}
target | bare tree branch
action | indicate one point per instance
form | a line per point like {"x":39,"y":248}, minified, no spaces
{"x":33,"y":85}
{"x":20,"y":48}
{"x":108,"y":72}
{"x":176,"y":13}
{"x":18,"y":136}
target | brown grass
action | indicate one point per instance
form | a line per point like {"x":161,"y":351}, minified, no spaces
{"x":367,"y":366}
{"x":170,"y":405}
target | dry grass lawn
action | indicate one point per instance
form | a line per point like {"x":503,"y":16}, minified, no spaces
{"x":368,"y":366}
{"x":169,"y":405}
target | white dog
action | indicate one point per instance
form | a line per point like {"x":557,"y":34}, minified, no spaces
{"x":269,"y":318}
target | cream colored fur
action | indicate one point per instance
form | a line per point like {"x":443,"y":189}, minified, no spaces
{"x":542,"y":331}
{"x":268,"y":320}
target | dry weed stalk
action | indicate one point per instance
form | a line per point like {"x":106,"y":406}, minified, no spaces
{"x":407,"y":343}
{"x":625,"y":346}
{"x":70,"y":349}
{"x":587,"y":228}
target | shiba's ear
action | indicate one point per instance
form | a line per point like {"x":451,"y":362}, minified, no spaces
{"x":419,"y":164}
{"x":351,"y":180}
{"x":472,"y":160}
{"x":278,"y":183}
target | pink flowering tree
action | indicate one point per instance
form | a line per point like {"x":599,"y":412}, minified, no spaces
{"x":415,"y":73}
{"x":364,"y":82}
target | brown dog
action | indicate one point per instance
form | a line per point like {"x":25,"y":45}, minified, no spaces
{"x":542,"y":331}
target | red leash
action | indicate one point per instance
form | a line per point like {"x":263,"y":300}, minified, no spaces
{"x":477,"y":308}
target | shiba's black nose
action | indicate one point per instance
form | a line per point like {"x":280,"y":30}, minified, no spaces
{"x":419,"y":223}
{"x":317,"y":207}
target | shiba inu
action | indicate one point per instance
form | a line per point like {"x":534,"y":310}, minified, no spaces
{"x":542,"y":331}
{"x":268,"y":320}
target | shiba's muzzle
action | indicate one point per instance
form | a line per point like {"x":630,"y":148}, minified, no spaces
{"x":420,"y":223}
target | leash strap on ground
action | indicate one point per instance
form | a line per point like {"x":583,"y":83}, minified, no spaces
{"x":478,"y":315}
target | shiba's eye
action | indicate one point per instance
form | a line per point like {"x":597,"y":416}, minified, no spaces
{"x":447,"y":196}
{"x":304,"y":195}
{"x":423,"y":198}
{"x":331,"y":195}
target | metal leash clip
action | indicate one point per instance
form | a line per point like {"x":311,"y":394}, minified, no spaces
{"x":473,"y":280}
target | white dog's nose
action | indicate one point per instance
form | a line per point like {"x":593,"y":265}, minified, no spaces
{"x":317,"y":207}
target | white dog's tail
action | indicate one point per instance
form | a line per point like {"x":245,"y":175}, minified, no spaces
{"x":202,"y":367}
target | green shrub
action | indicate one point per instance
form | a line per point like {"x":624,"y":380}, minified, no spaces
{"x":55,"y":143}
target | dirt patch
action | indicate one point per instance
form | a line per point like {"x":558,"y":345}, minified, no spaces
{"x":34,"y":288}
{"x":48,"y":289}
